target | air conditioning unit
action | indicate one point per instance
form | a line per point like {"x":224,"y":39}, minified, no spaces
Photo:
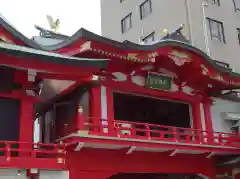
{"x":230,"y":116}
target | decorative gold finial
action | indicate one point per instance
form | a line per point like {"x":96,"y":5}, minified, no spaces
{"x":54,"y":25}
{"x":165,"y":32}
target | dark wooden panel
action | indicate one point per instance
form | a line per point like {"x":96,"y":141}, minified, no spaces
{"x":9,"y":119}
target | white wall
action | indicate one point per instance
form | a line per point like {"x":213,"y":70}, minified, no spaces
{"x":53,"y":174}
{"x":103,"y":102}
{"x":84,"y":102}
{"x":12,"y":174}
{"x":219,"y":124}
{"x":36,"y":132}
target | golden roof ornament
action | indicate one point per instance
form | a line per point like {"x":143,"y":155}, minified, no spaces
{"x":54,"y":25}
{"x":165,"y":32}
{"x":182,"y":26}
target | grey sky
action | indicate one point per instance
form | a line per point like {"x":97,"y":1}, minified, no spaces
{"x":73,"y":14}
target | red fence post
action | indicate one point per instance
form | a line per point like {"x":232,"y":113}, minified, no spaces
{"x":7,"y":151}
{"x":208,"y":121}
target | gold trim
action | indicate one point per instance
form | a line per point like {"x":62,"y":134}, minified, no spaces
{"x":5,"y":39}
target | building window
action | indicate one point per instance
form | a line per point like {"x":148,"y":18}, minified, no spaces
{"x":148,"y":39}
{"x":217,"y":2}
{"x":236,"y":5}
{"x":238,"y":34}
{"x":126,"y":23}
{"x":216,"y":30}
{"x":145,"y":9}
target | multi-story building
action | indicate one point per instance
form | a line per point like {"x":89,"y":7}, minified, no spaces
{"x":211,"y":25}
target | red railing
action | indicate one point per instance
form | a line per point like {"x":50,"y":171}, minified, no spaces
{"x":145,"y":131}
{"x":11,"y":150}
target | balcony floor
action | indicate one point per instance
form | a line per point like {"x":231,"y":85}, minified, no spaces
{"x":130,"y":145}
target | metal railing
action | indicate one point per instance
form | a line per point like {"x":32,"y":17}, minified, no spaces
{"x":145,"y":131}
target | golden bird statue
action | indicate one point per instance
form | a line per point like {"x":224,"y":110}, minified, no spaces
{"x":54,"y":25}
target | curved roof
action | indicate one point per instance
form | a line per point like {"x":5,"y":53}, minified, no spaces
{"x":174,"y":39}
{"x":126,"y":45}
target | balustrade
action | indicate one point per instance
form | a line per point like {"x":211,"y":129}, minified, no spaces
{"x":37,"y":153}
{"x":145,"y":131}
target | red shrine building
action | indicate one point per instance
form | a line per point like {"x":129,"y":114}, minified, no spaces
{"x":89,"y":107}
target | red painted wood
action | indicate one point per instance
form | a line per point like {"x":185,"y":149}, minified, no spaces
{"x":95,"y":106}
{"x":135,"y":89}
{"x":46,"y":66}
{"x":208,"y":119}
{"x":109,"y":162}
{"x":26,"y":120}
{"x":10,"y":36}
{"x":26,"y":123}
{"x":110,"y":109}
{"x":161,"y":133}
{"x":30,"y":155}
{"x":196,"y":114}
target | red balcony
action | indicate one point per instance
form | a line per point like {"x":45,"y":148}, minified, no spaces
{"x":151,"y":137}
{"x":30,"y":155}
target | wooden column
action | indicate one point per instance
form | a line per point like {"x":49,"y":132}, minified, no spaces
{"x":110,"y":110}
{"x":196,"y":113}
{"x":95,"y":107}
{"x":208,"y":120}
{"x":26,"y":120}
{"x":26,"y":124}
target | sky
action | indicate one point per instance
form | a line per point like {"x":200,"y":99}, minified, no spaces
{"x":73,"y":14}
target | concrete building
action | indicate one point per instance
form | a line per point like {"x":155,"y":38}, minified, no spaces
{"x":211,"y":25}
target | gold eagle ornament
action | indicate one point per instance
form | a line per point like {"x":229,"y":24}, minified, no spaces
{"x":54,"y":25}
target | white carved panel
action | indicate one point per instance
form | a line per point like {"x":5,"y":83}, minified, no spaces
{"x":167,"y":72}
{"x":119,"y":76}
{"x":188,"y":90}
{"x":139,"y":80}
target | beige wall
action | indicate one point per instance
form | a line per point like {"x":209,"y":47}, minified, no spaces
{"x":218,"y":122}
{"x":230,"y":51}
{"x":170,"y":14}
{"x":113,"y":11}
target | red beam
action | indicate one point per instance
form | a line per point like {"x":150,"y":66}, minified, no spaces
{"x":131,"y":88}
{"x":61,"y":76}
{"x":45,"y":66}
{"x":27,"y":162}
{"x":18,"y":95}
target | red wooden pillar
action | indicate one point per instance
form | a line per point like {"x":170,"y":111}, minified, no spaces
{"x":80,"y":119}
{"x":110,"y":110}
{"x":208,"y":120}
{"x":237,"y":176}
{"x":26,"y":120}
{"x":196,"y":113}
{"x":26,"y":124}
{"x":95,"y":108}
